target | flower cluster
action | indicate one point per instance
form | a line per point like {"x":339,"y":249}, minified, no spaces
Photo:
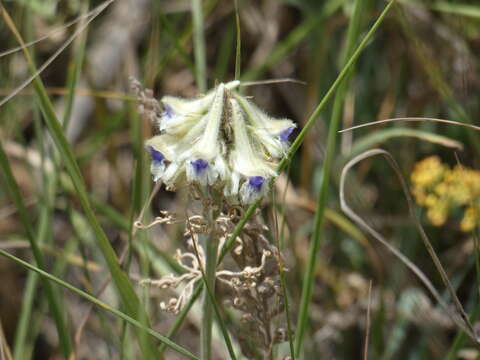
{"x":442,"y":190}
{"x":220,"y":140}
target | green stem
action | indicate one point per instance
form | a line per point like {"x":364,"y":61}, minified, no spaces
{"x":122,"y":283}
{"x":309,"y":279}
{"x":210,"y":244}
{"x":292,"y":150}
{"x":15,"y":193}
{"x":47,"y":276}
{"x":199,"y":45}
{"x":238,"y":57}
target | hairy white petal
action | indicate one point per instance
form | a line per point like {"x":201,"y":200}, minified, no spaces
{"x":208,"y":145}
{"x":157,"y":169}
{"x":164,"y":144}
{"x":211,"y":142}
{"x":172,"y":173}
{"x":244,"y":159}
{"x":266,"y":129}
{"x":221,"y":168}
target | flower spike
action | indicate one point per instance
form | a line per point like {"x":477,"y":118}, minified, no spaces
{"x":220,"y":140}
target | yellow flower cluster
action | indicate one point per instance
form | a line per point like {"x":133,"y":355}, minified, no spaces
{"x":442,"y":190}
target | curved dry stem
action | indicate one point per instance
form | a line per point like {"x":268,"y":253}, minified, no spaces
{"x":93,"y":12}
{"x":273,"y":81}
{"x":77,"y":32}
{"x":459,"y":317}
{"x":368,"y":322}
{"x":412,"y":119}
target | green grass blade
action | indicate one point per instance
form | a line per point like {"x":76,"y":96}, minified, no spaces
{"x":23,"y":333}
{"x":24,"y":322}
{"x":199,"y":46}
{"x":437,"y":79}
{"x":280,"y":242}
{"x":380,"y":136}
{"x":140,"y":196}
{"x":210,"y":245}
{"x":309,"y":278}
{"x":23,"y":329}
{"x":210,"y":305}
{"x":238,"y":52}
{"x":281,"y":50}
{"x":297,"y":35}
{"x":14,"y":191}
{"x":328,"y":95}
{"x":78,"y":55}
{"x":457,"y":9}
{"x":183,"y":38}
{"x":170,"y":31}
{"x":461,"y":338}
{"x":122,"y":283}
{"x":298,"y":141}
{"x":99,"y":303}
{"x":224,"y":53}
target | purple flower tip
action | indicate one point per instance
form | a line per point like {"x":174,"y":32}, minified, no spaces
{"x":256,"y":182}
{"x":199,"y":165}
{"x":285,"y":134}
{"x":167,"y":111}
{"x":156,"y":155}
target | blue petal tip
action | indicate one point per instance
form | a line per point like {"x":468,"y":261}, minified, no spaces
{"x":285,"y":134}
{"x":167,"y":110}
{"x":199,"y":165}
{"x":256,"y":182}
{"x":156,"y":155}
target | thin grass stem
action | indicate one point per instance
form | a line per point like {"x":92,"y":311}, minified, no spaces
{"x":99,"y":303}
{"x":238,"y":52}
{"x":309,"y":278}
{"x":199,"y":45}
{"x":123,"y":286}
{"x":291,"y":151}
{"x":58,"y":315}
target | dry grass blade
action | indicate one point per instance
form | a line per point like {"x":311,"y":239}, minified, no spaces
{"x":413,"y":119}
{"x":122,"y":284}
{"x":380,"y":136}
{"x":367,"y":335}
{"x":92,"y":13}
{"x":459,"y":316}
{"x":77,"y":92}
{"x":102,"y":305}
{"x":272,"y":81}
{"x":103,"y":287}
{"x":56,"y":54}
{"x":5,"y":353}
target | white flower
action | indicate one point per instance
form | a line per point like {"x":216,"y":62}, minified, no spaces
{"x":221,"y":140}
{"x":272,"y":133}
{"x":247,"y":160}
{"x":157,"y":166}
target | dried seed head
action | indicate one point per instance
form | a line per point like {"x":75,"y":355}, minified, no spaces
{"x":246,"y":318}
{"x":265,"y":289}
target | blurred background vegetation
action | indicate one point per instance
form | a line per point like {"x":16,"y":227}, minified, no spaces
{"x":423,"y":61}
